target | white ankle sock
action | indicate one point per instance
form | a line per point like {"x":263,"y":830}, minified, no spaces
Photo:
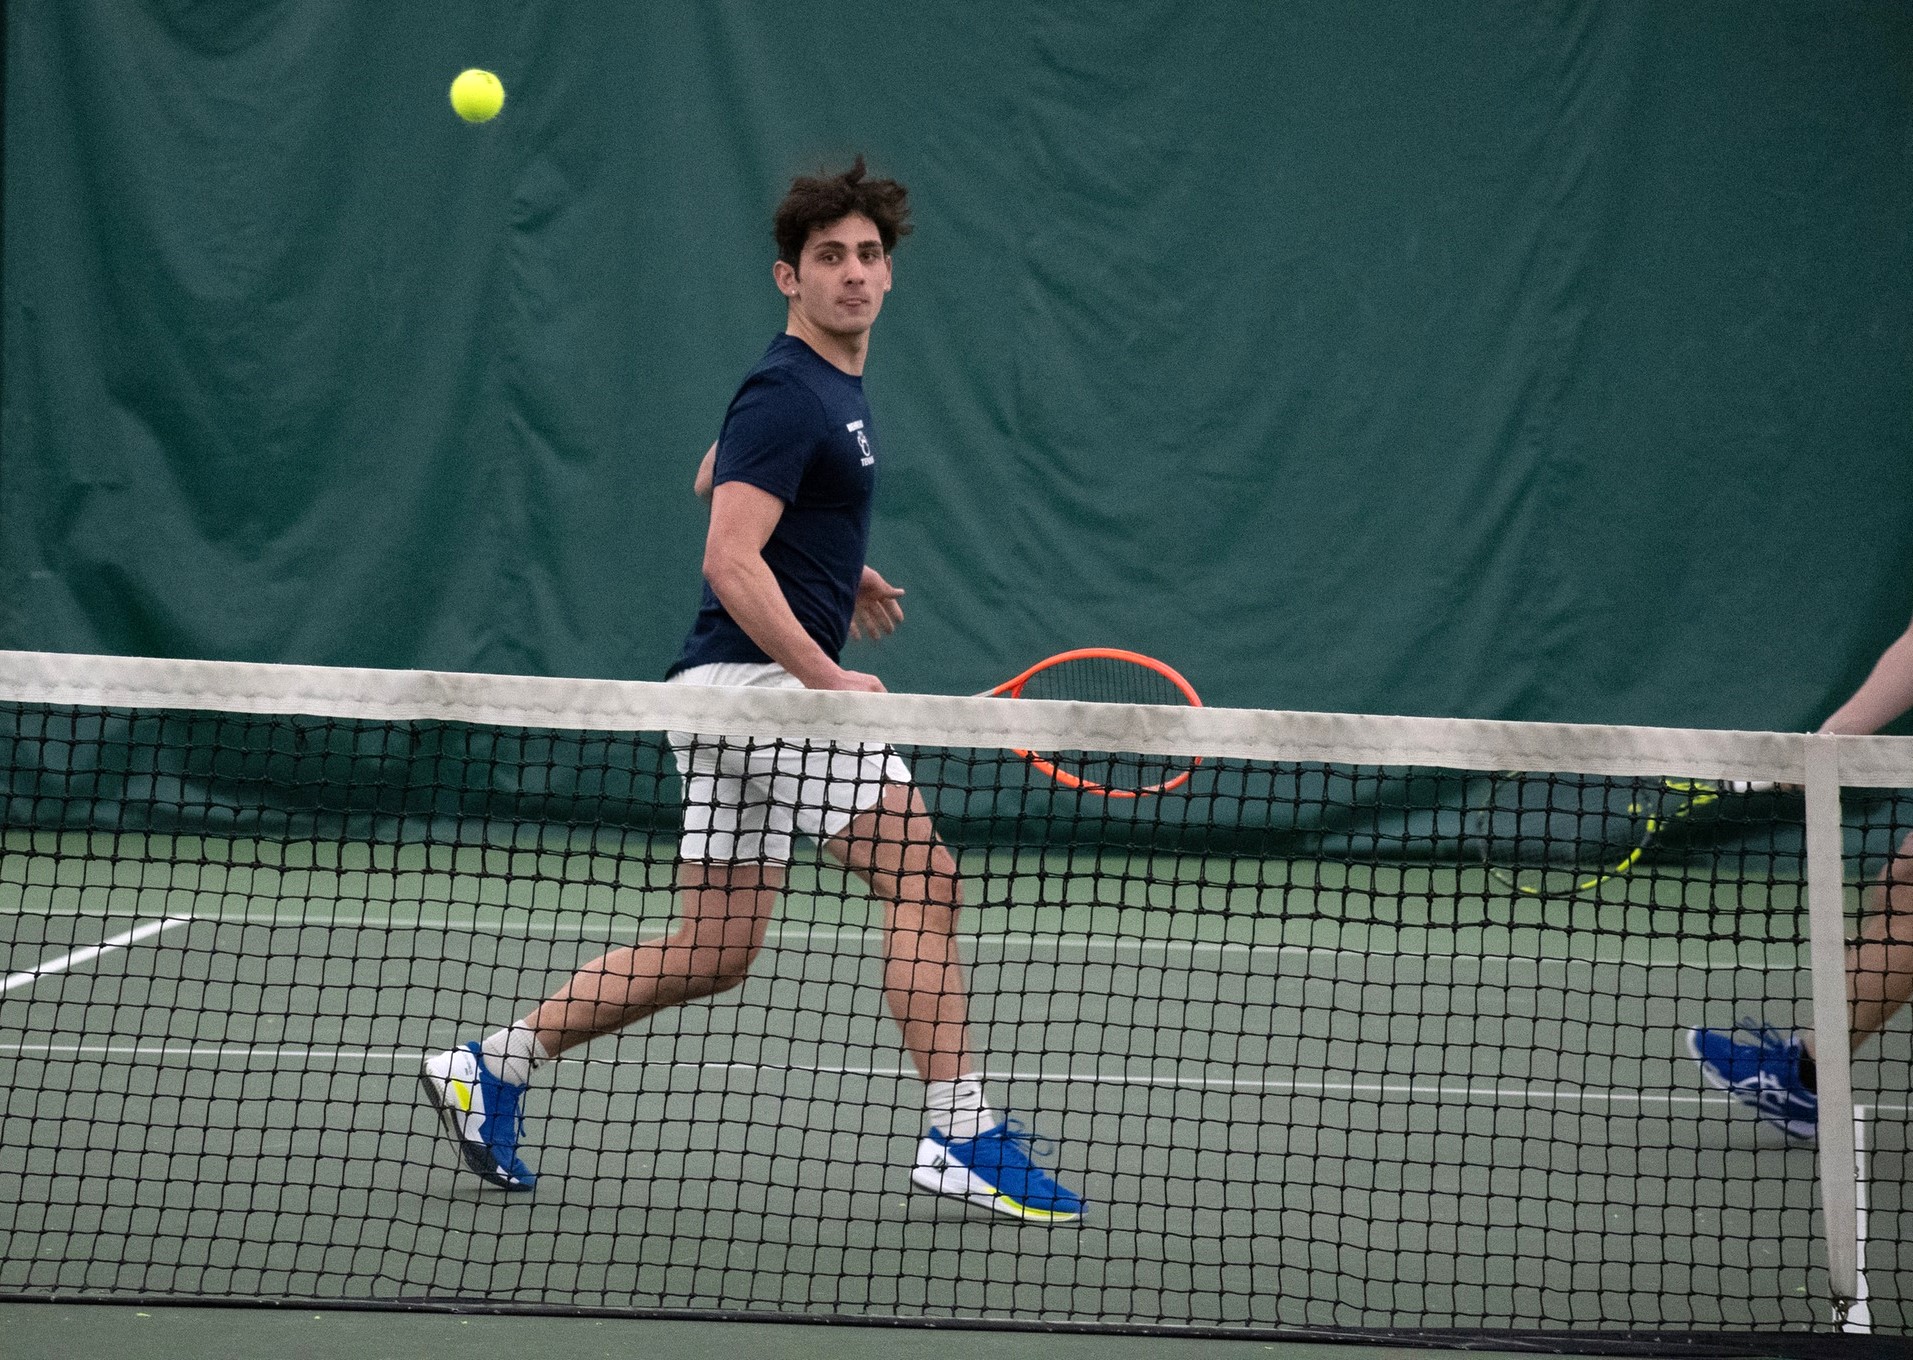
{"x":958,"y":1107}
{"x":514,"y":1054}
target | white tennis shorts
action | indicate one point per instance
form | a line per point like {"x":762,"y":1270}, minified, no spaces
{"x":745,"y":797}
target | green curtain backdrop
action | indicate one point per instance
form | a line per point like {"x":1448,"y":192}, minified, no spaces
{"x":1492,"y":359}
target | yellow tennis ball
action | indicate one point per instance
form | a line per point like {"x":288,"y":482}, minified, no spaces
{"x":477,"y":95}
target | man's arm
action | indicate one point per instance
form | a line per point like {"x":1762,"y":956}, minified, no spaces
{"x":1885,"y":694}
{"x":877,"y":613}
{"x":742,"y":518}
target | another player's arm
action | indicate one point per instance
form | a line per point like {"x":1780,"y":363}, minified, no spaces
{"x":1886,"y":693}
{"x":742,"y":518}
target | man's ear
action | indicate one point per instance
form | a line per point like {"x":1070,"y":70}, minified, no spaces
{"x":785,"y":276}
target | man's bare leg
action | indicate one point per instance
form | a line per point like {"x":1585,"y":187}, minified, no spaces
{"x":1775,"y":1073}
{"x":725,"y":910}
{"x":969,"y":1153}
{"x":1880,"y":963}
{"x":894,"y":849}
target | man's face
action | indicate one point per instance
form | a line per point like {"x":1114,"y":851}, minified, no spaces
{"x":841,"y":277}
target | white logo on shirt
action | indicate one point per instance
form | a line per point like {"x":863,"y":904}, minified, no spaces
{"x":856,"y":427}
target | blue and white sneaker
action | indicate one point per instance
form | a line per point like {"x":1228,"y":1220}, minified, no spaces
{"x":480,"y":1113}
{"x":1763,"y":1074}
{"x":994,"y":1170}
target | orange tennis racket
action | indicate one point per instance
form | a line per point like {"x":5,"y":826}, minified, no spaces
{"x":1106,"y":675}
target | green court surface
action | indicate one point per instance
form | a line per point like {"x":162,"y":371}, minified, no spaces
{"x":1296,"y":1095}
{"x":61,"y":1331}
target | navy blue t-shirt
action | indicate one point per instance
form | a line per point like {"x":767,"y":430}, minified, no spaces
{"x":798,"y":428}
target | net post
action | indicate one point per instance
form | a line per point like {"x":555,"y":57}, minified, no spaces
{"x":1859,"y":1315}
{"x":1827,"y":951}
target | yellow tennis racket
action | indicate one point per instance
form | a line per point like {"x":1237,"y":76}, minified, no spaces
{"x":1546,"y":835}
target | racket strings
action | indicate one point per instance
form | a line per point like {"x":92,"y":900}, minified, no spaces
{"x":1107,"y":679}
{"x":1101,"y":680}
{"x":1559,"y":835}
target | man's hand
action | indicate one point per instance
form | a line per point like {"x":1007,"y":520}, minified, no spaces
{"x":877,"y":613}
{"x":856,"y":681}
{"x":702,"y":483}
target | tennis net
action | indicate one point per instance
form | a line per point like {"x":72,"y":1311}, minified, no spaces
{"x":1373,"y":1023}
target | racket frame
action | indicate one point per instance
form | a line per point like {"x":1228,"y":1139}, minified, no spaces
{"x":1691,"y":794}
{"x":1013,"y":689}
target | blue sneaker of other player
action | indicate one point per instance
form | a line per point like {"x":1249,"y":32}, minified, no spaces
{"x":994,"y":1170}
{"x":1763,"y":1074}
{"x":480,"y":1113}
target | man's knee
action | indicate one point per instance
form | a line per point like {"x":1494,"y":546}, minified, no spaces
{"x":922,"y":919}
{"x":710,"y":969}
{"x":732,"y":969}
{"x":933,"y":877}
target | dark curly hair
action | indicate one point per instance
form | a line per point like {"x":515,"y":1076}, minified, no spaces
{"x":817,"y":201}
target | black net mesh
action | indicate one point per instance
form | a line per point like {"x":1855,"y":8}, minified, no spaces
{"x":1316,"y":1044}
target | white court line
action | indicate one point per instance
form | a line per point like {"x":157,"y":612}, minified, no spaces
{"x":1316,"y":1087}
{"x":799,"y":933}
{"x":74,"y":958}
{"x":1280,"y":1086}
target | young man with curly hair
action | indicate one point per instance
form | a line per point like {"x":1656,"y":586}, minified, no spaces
{"x":790,"y":482}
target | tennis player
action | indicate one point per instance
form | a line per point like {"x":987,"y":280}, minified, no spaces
{"x":1773,"y":1072}
{"x":790,"y":482}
